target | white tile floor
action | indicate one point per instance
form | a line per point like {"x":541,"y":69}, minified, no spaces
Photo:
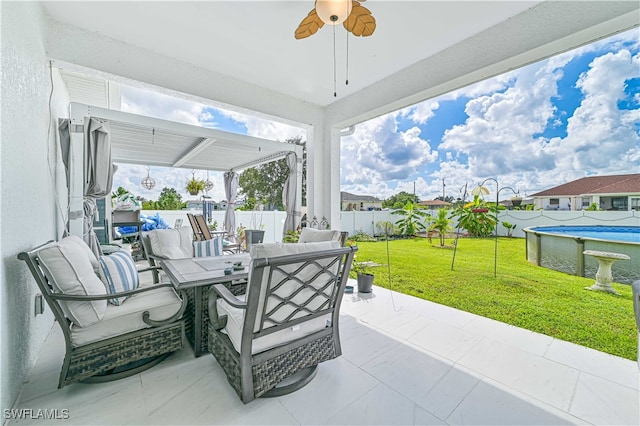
{"x":405,"y":361}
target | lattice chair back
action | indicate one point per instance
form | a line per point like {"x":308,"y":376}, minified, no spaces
{"x":288,"y":322}
{"x":293,"y":292}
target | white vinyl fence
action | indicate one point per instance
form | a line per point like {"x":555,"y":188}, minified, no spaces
{"x":355,"y":221}
{"x":272,"y":221}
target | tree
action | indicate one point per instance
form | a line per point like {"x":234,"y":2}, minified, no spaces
{"x":264,"y":183}
{"x":118,"y":192}
{"x":442,"y":224}
{"x":477,"y":217}
{"x":411,"y":223}
{"x":169,"y":200}
{"x":399,"y":200}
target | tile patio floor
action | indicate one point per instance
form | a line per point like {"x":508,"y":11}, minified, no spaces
{"x":405,"y":361}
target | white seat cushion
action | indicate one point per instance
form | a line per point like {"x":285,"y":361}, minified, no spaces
{"x":161,"y":303}
{"x":310,"y":235}
{"x":70,"y":270}
{"x":235,"y":320}
{"x":171,"y":243}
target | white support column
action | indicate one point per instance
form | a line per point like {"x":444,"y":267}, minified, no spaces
{"x":332,"y":211}
{"x":76,"y":172}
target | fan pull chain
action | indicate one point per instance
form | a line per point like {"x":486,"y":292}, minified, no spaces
{"x":335,"y":90}
{"x":347,"y":80}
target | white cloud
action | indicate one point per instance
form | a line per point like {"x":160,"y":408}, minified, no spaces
{"x":600,"y":136}
{"x":267,"y":129}
{"x":377,"y":151}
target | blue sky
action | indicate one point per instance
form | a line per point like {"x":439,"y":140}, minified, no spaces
{"x":573,"y":115}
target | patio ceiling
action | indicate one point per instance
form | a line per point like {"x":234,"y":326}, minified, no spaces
{"x":253,"y":40}
{"x":138,"y":139}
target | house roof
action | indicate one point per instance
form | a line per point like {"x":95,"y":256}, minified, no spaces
{"x":434,"y":203}
{"x":346,"y":196}
{"x":613,"y":184}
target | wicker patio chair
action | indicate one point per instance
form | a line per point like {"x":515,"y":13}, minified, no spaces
{"x":286,"y":323}
{"x":124,"y":340}
{"x":162,"y":244}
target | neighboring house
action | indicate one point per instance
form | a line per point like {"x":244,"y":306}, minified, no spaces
{"x":434,"y":204}
{"x":351,"y":202}
{"x":617,"y":192}
{"x":197,"y":205}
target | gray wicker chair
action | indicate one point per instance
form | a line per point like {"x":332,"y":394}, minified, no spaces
{"x":286,"y":323}
{"x":114,"y":357}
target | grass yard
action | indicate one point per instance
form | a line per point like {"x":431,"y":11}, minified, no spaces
{"x":524,"y":295}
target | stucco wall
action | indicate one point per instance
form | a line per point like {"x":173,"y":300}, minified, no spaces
{"x":28,"y":166}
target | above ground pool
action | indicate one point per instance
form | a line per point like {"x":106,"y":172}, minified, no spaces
{"x":560,"y":248}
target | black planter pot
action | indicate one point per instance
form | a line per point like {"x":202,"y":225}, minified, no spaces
{"x":365,"y":282}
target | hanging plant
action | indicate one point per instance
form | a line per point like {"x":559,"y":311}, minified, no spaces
{"x":194,"y":186}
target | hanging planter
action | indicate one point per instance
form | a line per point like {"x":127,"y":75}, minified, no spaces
{"x":480,"y":210}
{"x":194,"y":186}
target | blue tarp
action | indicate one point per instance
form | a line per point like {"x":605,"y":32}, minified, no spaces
{"x":150,"y":223}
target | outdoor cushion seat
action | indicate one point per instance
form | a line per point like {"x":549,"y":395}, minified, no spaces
{"x":104,"y":341}
{"x":235,"y":319}
{"x":270,"y":340}
{"x":123,"y":319}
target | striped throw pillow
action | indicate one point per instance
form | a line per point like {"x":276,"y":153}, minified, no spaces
{"x":118,"y":272}
{"x":212,"y":247}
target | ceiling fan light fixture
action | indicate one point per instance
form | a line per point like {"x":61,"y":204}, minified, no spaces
{"x":333,"y":12}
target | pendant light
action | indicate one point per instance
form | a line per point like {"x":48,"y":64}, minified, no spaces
{"x":148,"y":183}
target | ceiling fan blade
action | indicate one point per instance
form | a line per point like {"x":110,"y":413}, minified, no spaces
{"x":309,"y":25}
{"x":360,"y":22}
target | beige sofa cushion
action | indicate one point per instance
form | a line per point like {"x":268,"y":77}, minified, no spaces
{"x":310,"y":235}
{"x":70,"y":269}
{"x":171,"y":243}
{"x":161,"y":303}
{"x":235,"y":321}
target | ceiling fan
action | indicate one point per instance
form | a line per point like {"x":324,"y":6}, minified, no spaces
{"x":355,"y":18}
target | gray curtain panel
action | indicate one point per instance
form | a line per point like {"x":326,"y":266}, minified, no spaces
{"x":231,"y":180}
{"x":98,"y":175}
{"x":289,"y":194}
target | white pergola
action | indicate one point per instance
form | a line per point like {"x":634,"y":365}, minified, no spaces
{"x":137,"y":139}
{"x":242,"y":55}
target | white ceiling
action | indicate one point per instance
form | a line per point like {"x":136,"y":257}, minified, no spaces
{"x":253,"y":40}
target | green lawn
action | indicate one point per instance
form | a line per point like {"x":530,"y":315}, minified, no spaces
{"x":524,"y":295}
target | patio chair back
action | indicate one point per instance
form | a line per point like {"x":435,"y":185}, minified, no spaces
{"x":201,"y":222}
{"x":288,"y":323}
{"x":197,"y":234}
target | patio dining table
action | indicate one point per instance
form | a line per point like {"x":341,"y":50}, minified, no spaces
{"x":196,"y":275}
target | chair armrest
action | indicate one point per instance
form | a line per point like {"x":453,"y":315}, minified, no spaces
{"x":150,"y":268}
{"x":76,"y":297}
{"x":228,"y":297}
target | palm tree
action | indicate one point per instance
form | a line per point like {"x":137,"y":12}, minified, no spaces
{"x":411,"y":224}
{"x":442,"y":224}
